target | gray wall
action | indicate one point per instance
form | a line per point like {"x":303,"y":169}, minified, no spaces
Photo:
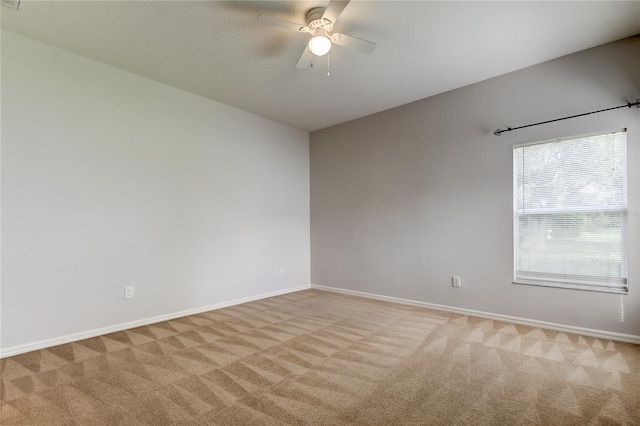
{"x":112,"y":180}
{"x":404,"y":199}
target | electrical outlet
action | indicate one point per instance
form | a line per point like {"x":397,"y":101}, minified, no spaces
{"x":128,"y":292}
{"x":456,"y":282}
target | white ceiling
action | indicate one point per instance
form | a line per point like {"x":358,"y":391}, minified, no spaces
{"x":218,"y":50}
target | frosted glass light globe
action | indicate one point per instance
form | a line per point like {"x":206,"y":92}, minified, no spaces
{"x":320,"y":45}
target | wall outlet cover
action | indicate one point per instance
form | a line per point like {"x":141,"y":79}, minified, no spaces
{"x":128,"y":292}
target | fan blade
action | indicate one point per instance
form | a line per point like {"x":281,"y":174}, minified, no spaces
{"x":305,"y":59}
{"x":334,"y":9}
{"x":353,"y":42}
{"x":275,"y":22}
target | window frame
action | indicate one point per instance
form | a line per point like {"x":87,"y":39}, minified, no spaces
{"x":621,"y":285}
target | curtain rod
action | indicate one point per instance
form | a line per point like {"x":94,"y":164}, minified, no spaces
{"x":508,"y":129}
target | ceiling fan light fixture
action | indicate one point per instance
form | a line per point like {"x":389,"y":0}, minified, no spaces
{"x":320,"y":45}
{"x":319,"y":26}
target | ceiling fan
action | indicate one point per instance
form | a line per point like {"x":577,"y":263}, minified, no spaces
{"x":320,"y":22}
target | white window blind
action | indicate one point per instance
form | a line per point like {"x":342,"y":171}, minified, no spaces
{"x":570,"y":221}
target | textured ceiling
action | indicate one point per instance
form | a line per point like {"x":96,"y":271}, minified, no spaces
{"x":218,"y":50}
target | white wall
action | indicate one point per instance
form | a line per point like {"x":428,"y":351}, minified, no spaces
{"x":404,"y":199}
{"x":112,"y":180}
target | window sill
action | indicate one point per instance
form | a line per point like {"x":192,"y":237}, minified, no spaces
{"x":553,"y":284}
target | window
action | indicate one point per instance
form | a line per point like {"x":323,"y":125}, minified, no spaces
{"x":570,"y":213}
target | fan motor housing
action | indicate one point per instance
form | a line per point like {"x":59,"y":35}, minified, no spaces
{"x":315,"y":20}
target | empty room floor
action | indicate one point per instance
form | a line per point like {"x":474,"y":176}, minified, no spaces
{"x":315,"y":357}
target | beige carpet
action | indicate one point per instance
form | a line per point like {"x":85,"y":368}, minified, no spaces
{"x":321,"y":358}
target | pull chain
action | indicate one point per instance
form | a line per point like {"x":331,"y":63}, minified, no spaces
{"x":329,"y":64}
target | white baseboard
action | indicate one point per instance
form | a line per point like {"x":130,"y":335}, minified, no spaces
{"x":28,"y":347}
{"x":601,"y":334}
